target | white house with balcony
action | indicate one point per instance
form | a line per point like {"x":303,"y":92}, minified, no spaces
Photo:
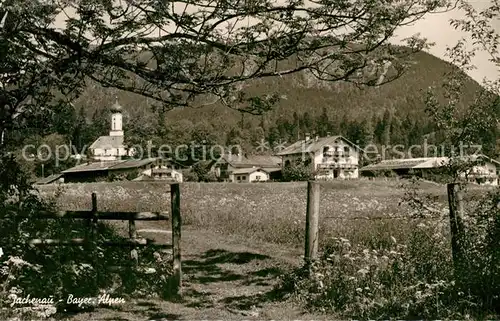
{"x":111,"y":147}
{"x":330,"y":157}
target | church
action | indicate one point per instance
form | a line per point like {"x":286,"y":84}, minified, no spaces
{"x":111,"y":147}
{"x":110,"y":160}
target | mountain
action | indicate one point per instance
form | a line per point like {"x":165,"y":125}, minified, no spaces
{"x":392,"y":113}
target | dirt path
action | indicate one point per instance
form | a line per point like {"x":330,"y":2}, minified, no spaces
{"x":223,"y":278}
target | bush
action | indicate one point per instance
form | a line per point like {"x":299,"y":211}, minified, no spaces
{"x":189,"y":176}
{"x":58,"y":271}
{"x":356,"y":281}
{"x":413,"y":278}
{"x":480,"y":274}
{"x":297,"y":172}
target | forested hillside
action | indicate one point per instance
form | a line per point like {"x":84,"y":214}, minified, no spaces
{"x":387,"y":115}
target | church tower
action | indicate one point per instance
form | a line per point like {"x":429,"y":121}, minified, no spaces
{"x":116,"y":120}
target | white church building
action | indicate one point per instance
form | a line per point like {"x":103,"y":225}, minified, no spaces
{"x":111,"y":147}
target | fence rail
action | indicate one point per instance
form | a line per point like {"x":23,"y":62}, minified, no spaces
{"x":119,"y":216}
{"x":456,"y":210}
{"x":93,"y":216}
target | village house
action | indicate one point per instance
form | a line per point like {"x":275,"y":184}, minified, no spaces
{"x":144,"y":169}
{"x":162,"y":174}
{"x":247,"y":168}
{"x":250,"y":175}
{"x":479,"y":169}
{"x":330,"y":157}
{"x":111,"y":147}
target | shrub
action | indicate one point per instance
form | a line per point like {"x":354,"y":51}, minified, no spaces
{"x":481,"y":274}
{"x":297,"y":172}
{"x":411,"y":278}
{"x":357,"y":281}
{"x":58,"y":271}
{"x":189,"y":176}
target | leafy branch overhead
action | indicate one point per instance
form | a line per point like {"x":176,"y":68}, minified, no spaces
{"x":188,"y":53}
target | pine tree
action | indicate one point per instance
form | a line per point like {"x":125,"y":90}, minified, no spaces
{"x":323,"y":123}
{"x":387,"y":124}
{"x":367,"y":132}
{"x":295,"y":127}
{"x":80,"y":132}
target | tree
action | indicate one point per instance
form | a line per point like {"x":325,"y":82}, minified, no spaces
{"x":306,"y":123}
{"x":366,"y":132}
{"x":182,"y":57}
{"x":194,"y":58}
{"x":476,"y":256}
{"x":323,"y":123}
{"x":387,"y":128}
{"x":64,"y":119}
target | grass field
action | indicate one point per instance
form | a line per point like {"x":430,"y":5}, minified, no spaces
{"x":273,"y":212}
{"x":376,"y":260}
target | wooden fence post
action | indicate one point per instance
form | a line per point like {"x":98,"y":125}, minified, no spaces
{"x":312,"y":220}
{"x":93,"y":216}
{"x":132,"y":233}
{"x":175,"y":195}
{"x":93,"y":223}
{"x":455,"y":200}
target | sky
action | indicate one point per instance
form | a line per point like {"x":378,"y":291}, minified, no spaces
{"x":436,"y":28}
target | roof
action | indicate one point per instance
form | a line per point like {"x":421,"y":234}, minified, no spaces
{"x":108,"y":142}
{"x":476,"y":157}
{"x":116,"y":108}
{"x":250,"y":170}
{"x":240,"y":161}
{"x":91,"y":167}
{"x":111,"y":165}
{"x":422,"y":162}
{"x":314,"y":145}
{"x":406,"y":163}
{"x":134,"y":163}
{"x":240,"y":171}
{"x":49,"y":179}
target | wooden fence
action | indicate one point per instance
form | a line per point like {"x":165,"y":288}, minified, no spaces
{"x":133,"y":241}
{"x":455,"y":200}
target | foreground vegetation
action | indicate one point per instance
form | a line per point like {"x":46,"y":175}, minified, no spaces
{"x":54,"y":273}
{"x":381,"y":257}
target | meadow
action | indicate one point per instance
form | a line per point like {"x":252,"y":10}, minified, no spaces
{"x":380,"y":255}
{"x":273,"y":212}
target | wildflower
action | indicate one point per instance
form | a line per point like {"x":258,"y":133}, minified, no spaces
{"x":1,"y":252}
{"x":393,"y":239}
{"x":150,"y":271}
{"x":359,"y":290}
{"x":421,"y":225}
{"x":363,"y":271}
